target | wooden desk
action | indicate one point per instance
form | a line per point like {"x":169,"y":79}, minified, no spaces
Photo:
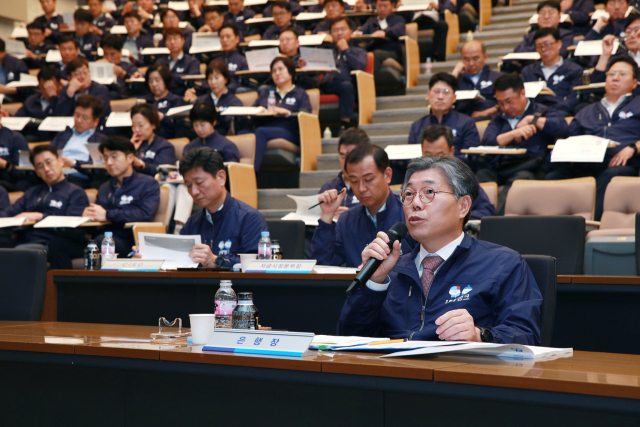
{"x":72,"y":372}
{"x":496,"y":151}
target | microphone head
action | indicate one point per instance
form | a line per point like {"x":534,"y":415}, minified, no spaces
{"x":398,"y":231}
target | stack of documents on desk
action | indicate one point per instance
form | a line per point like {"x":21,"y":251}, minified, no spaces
{"x":493,"y":149}
{"x":514,"y":351}
{"x":330,"y":269}
{"x":53,"y":221}
{"x":56,"y":124}
{"x":12,"y":222}
{"x":174,"y":250}
{"x":26,"y":80}
{"x":15,"y":123}
{"x":331,"y":342}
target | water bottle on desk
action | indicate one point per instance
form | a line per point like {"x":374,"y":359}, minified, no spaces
{"x":264,"y":246}
{"x":271,"y":101}
{"x":108,"y":249}
{"x":226,"y":302}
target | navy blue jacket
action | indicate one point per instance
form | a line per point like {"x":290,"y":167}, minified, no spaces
{"x":348,"y":60}
{"x":617,"y":29}
{"x":104,"y":22}
{"x":235,"y":62}
{"x":143,"y":41}
{"x":482,"y":206}
{"x":10,"y":143}
{"x":601,"y":76}
{"x":580,"y":13}
{"x":338,"y":184}
{"x":227,"y":149}
{"x":623,"y":127}
{"x":227,"y":99}
{"x":239,"y":19}
{"x":555,"y":127}
{"x":295,"y":9}
{"x":465,"y":132}
{"x":499,"y":292}
{"x":53,"y":24}
{"x":295,"y":100}
{"x":66,"y":106}
{"x":527,"y":44}
{"x":235,"y":230}
{"x":136,"y":201}
{"x":12,"y":67}
{"x":130,"y":69}
{"x":157,"y":152}
{"x":61,"y":139}
{"x":485,"y":86}
{"x":4,"y":199}
{"x":273,"y":32}
{"x":185,"y":66}
{"x":41,"y":49}
{"x":61,"y":199}
{"x":188,"y":40}
{"x":343,"y":242}
{"x":324,"y":26}
{"x":32,"y":107}
{"x":89,"y":46}
{"x":561,"y":82}
{"x":163,"y":105}
{"x":395,"y":30}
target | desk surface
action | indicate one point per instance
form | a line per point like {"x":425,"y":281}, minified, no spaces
{"x":598,"y":374}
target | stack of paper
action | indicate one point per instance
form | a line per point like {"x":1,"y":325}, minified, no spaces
{"x":533,"y":89}
{"x":15,"y":48}
{"x":312,"y":39}
{"x":118,"y":120}
{"x":318,"y":59}
{"x":463,"y":95}
{"x":243,"y":111}
{"x":53,"y":221}
{"x":583,"y":149}
{"x":19,"y":33}
{"x":174,"y":250}
{"x":178,"y":110}
{"x":404,"y":151}
{"x":329,"y":269}
{"x":118,"y":29}
{"x":521,"y":56}
{"x":56,"y":124}
{"x":26,"y":80}
{"x":15,"y":123}
{"x":155,"y":51}
{"x":309,"y":16}
{"x":593,"y":48}
{"x":260,"y":60}
{"x":515,"y":351}
{"x":12,"y":222}
{"x":205,"y":42}
{"x":329,"y":342}
{"x":53,"y":56}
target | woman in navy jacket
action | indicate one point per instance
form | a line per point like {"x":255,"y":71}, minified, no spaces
{"x":151,"y":150}
{"x":159,"y":81}
{"x":289,"y":99}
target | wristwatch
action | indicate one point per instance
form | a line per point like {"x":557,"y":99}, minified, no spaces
{"x":634,"y":147}
{"x":485,"y":334}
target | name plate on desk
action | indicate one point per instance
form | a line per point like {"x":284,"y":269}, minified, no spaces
{"x":124,"y":264}
{"x":281,"y":266}
{"x":260,"y":342}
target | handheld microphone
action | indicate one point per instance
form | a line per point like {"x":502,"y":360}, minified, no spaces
{"x":395,"y":233}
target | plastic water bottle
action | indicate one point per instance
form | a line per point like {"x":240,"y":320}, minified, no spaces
{"x":108,"y":249}
{"x":327,"y":133}
{"x":427,"y":67}
{"x":271,"y":101}
{"x":226,"y":302}
{"x":264,"y":246}
{"x":92,"y":256}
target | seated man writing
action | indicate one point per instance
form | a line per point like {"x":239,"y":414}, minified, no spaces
{"x":416,"y":295}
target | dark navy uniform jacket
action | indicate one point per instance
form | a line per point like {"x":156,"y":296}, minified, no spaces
{"x":493,"y":283}
{"x":348,"y":60}
{"x":130,"y":69}
{"x":10,"y":143}
{"x":227,"y":99}
{"x":144,"y":40}
{"x":41,"y":49}
{"x":53,"y":24}
{"x":163,"y":105}
{"x":12,"y":67}
{"x":580,"y":13}
{"x":527,"y":44}
{"x":484,"y":85}
{"x":61,"y":199}
{"x":188,"y":40}
{"x":344,"y":241}
{"x":295,"y":100}
{"x":622,"y":127}
{"x":104,"y":22}
{"x":465,"y":132}
{"x":482,"y":206}
{"x":89,"y":45}
{"x":61,"y":139}
{"x":561,"y":82}
{"x":338,"y":184}
{"x":157,"y":152}
{"x":136,"y":201}
{"x":235,"y":62}
{"x":239,"y":19}
{"x":273,"y":32}
{"x":295,"y":9}
{"x":66,"y":106}
{"x":185,"y":66}
{"x":555,"y":127}
{"x":235,"y":230}
{"x":324,"y":26}
{"x":227,"y":149}
{"x":4,"y":199}
{"x":598,"y":76}
{"x":32,"y":107}
{"x":395,"y":30}
{"x":617,"y":29}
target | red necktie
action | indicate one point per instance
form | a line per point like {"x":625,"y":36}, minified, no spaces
{"x":429,"y":266}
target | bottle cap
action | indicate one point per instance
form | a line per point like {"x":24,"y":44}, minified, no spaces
{"x":245,"y":296}
{"x":108,"y":234}
{"x":225,"y":282}
{"x":275,"y":242}
{"x":265,"y":233}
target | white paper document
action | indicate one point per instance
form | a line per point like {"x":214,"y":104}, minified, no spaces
{"x":581,"y":149}
{"x":302,"y":213}
{"x":94,"y":152}
{"x":258,"y":20}
{"x":593,"y":48}
{"x":260,"y":60}
{"x":333,"y":341}
{"x":19,"y":33}
{"x":321,"y":59}
{"x":53,"y":221}
{"x":12,"y":222}
{"x":118,"y":29}
{"x":53,"y":56}
{"x":173,"y":249}
{"x":521,"y":56}
{"x":261,"y":43}
{"x":330,"y":269}
{"x":15,"y":123}
{"x":309,"y":16}
{"x":155,"y":51}
{"x":404,"y":151}
{"x":26,"y":80}
{"x":56,"y":124}
{"x":532,"y":89}
{"x":102,"y":72}
{"x":15,"y":48}
{"x":463,"y":95}
{"x":598,"y":13}
{"x":177,"y":110}
{"x":23,"y":159}
{"x":243,"y":111}
{"x":534,"y":19}
{"x":178,"y":5}
{"x":118,"y":120}
{"x":493,"y":149}
{"x":312,"y":39}
{"x":205,"y":42}
{"x":516,"y":351}
{"x":398,"y":346}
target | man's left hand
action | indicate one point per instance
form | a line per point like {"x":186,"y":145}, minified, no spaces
{"x":622,"y":157}
{"x":457,"y":325}
{"x":96,"y":212}
{"x":202,"y":255}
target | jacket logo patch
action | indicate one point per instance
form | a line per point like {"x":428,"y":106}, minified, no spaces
{"x":180,"y":70}
{"x":87,"y":46}
{"x":232,"y":67}
{"x":10,"y":75}
{"x":4,"y":151}
{"x":150,"y":155}
{"x":557,"y":79}
{"x":290,"y":101}
{"x":485,"y":84}
{"x":455,"y":134}
{"x":624,"y":115}
{"x":53,"y":26}
{"x":225,"y":247}
{"x":458,"y":295}
{"x":355,"y":200}
{"x":55,"y":204}
{"x":240,"y":18}
{"x":125,"y":200}
{"x":163,"y":104}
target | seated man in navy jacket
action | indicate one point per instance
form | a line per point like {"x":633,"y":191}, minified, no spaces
{"x":203,"y":116}
{"x":54,"y":196}
{"x":521,"y":124}
{"x":10,"y":144}
{"x":237,"y":14}
{"x":52,"y":21}
{"x":80,"y":83}
{"x":10,"y":70}
{"x":369,"y":175}
{"x":136,"y":38}
{"x":388,"y":27}
{"x":295,"y":7}
{"x":102,"y":22}
{"x":349,"y":140}
{"x":442,"y":96}
{"x":580,"y":13}
{"x":451,"y":286}
{"x":112,"y":48}
{"x":473,"y":74}
{"x":229,"y":54}
{"x":87,"y":41}
{"x":69,"y":51}
{"x":333,"y":9}
{"x":548,"y":17}
{"x":613,"y":24}
{"x":281,"y":21}
{"x":561,"y":76}
{"x":615,"y":117}
{"x":438,"y":141}
{"x":128,"y":196}
{"x":43,"y":103}
{"x":180,"y":64}
{"x":37,"y":46}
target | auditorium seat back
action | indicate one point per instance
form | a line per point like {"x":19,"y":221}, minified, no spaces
{"x":491,"y":188}
{"x":453,"y":33}
{"x":543,"y":269}
{"x":147,"y":228}
{"x":310,"y":141}
{"x":563,"y":197}
{"x":15,"y":195}
{"x":163,"y":214}
{"x":621,"y":202}
{"x":247,"y":98}
{"x":12,"y":108}
{"x":482,"y":126}
{"x":123,"y":105}
{"x":290,"y":234}
{"x":246,"y":144}
{"x":24,"y":278}
{"x":242,"y":183}
{"x":179,"y":144}
{"x":314,"y":99}
{"x":366,"y":97}
{"x":412,"y":52}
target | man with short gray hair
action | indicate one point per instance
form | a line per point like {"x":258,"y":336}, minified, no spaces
{"x":451,"y":286}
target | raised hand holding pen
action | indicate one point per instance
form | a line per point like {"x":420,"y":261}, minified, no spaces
{"x":330,"y":202}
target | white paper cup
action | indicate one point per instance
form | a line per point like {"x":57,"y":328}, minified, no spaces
{"x":202,"y":327}
{"x":245,"y":260}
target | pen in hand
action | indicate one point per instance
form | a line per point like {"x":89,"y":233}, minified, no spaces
{"x":318,"y":204}
{"x":132,"y":253}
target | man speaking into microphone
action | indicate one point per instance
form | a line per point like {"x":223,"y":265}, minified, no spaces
{"x":451,"y":286}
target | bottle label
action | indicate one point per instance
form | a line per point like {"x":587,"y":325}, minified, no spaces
{"x":225,"y":308}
